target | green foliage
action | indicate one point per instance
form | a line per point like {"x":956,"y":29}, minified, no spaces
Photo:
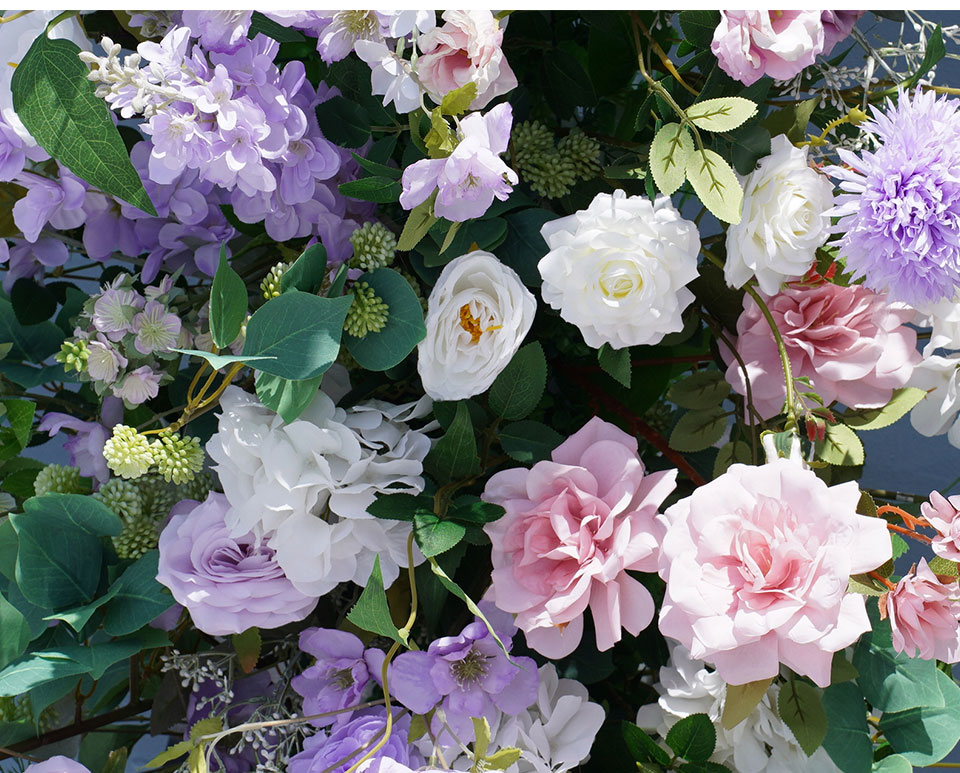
{"x":371,"y":612}
{"x":528,"y":441}
{"x":642,"y":746}
{"x":519,"y":387}
{"x":454,"y":455}
{"x":307,"y":271}
{"x":840,"y":446}
{"x":418,"y":223}
{"x":699,"y":390}
{"x":435,"y":536}
{"x":925,"y":734}
{"x":458,"y":101}
{"x":693,"y":738}
{"x":403,"y":330}
{"x":228,"y":303}
{"x":900,"y":404}
{"x":721,"y":114}
{"x":716,"y":184}
{"x":698,"y":27}
{"x":286,"y":396}
{"x":741,"y":700}
{"x":343,"y":122}
{"x":670,"y":152}
{"x":381,"y":190}
{"x":935,"y":51}
{"x":247,"y":646}
{"x":801,"y":708}
{"x":848,"y":738}
{"x":699,"y":429}
{"x":616,"y":363}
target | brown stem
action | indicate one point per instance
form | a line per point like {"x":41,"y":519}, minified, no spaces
{"x":882,"y":580}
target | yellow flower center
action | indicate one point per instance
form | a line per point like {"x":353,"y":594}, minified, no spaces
{"x":472,"y":325}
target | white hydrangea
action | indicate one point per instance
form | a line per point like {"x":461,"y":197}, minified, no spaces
{"x":762,"y":743}
{"x":618,"y":270}
{"x":305,"y":486}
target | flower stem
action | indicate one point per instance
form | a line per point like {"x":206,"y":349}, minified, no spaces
{"x":882,"y":580}
{"x":791,"y":402}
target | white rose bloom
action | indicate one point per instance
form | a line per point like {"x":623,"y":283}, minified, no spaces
{"x":937,"y":412}
{"x":944,"y":319}
{"x":478,"y":313}
{"x":306,"y":485}
{"x":762,"y":743}
{"x":618,"y":270}
{"x":784,"y":221}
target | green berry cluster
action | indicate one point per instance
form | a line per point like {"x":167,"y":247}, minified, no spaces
{"x":374,"y":246}
{"x":553,"y":169}
{"x":367,"y":314}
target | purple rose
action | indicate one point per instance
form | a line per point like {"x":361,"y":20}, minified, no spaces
{"x":228,"y":584}
{"x":57,"y":764}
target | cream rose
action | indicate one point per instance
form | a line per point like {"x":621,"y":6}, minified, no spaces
{"x":618,"y":269}
{"x":785,"y":204}
{"x":477,"y":315}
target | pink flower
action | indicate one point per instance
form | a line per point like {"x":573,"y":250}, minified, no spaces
{"x":849,"y":341}
{"x":465,"y":49}
{"x":573,"y":527}
{"x":751,"y":44}
{"x":941,"y":514}
{"x":139,"y":386}
{"x":756,"y":564}
{"x":837,"y":25}
{"x":923,"y":616}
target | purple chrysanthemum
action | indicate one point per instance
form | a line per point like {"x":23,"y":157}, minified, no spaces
{"x":900,"y":210}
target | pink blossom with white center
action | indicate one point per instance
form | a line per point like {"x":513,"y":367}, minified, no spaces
{"x":157,"y":330}
{"x":103,"y":360}
{"x":573,"y":527}
{"x":941,"y":513}
{"x":114,"y":310}
{"x":139,"y":386}
{"x":923,"y":616}
{"x":757,"y":563}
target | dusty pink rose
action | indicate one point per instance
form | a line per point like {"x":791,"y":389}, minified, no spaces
{"x":941,"y":513}
{"x":923,"y":616}
{"x":466,"y":48}
{"x":573,"y":527}
{"x":756,"y":564}
{"x":850,"y":343}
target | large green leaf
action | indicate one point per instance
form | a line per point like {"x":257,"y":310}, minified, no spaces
{"x":926,"y":734}
{"x":900,"y":404}
{"x":519,"y":387}
{"x":524,"y":245}
{"x":435,"y":536}
{"x":14,"y":633}
{"x":841,"y":446}
{"x":669,"y":153}
{"x":302,"y":331}
{"x":343,"y":122}
{"x":698,"y":26}
{"x":716,"y":184}
{"x":697,"y":430}
{"x":137,"y":597}
{"x":848,"y":739}
{"x":801,"y":708}
{"x":31,"y":342}
{"x":529,"y":441}
{"x":286,"y":397}
{"x":455,"y":454}
{"x":59,"y":107}
{"x":82,"y":512}
{"x":693,"y":738}
{"x":307,"y":271}
{"x":228,"y":303}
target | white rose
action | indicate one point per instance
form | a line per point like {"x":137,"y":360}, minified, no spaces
{"x":478,"y":313}
{"x":784,"y":221}
{"x":944,"y":317}
{"x":618,"y":269}
{"x":937,"y":412}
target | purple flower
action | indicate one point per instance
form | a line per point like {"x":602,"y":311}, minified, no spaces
{"x":114,"y":310}
{"x":468,"y":675}
{"x":24,"y":259}
{"x":156,"y":328}
{"x":468,"y":180}
{"x":837,"y":25}
{"x":219,"y":30}
{"x":103,"y":360}
{"x":58,"y":202}
{"x":86,"y":449}
{"x":340,"y":676}
{"x":58,"y":764}
{"x":12,"y":155}
{"x":322,"y":750}
{"x":900,"y":210}
{"x":108,"y":229}
{"x":138,"y":386}
{"x":228,"y":584}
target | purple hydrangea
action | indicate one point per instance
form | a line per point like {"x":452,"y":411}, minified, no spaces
{"x":341,"y":675}
{"x":323,"y":750}
{"x":228,"y":584}
{"x":900,"y":210}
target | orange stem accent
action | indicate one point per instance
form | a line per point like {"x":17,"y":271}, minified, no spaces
{"x":911,"y":520}
{"x":909,"y":533}
{"x":881,"y":579}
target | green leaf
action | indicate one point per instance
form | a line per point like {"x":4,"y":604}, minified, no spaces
{"x":722,"y":114}
{"x":343,"y":122}
{"x":435,"y":536}
{"x":247,"y":646}
{"x":848,"y":739}
{"x":926,"y":734}
{"x":669,"y":153}
{"x":702,"y":389}
{"x":78,"y":617}
{"x":792,"y":120}
{"x":616,"y":363}
{"x":895,"y":763}
{"x":404,"y":329}
{"x":502,"y":759}
{"x":59,"y":107}
{"x":20,"y":416}
{"x":287,"y":397}
{"x":32,"y":303}
{"x":528,"y":441}
{"x":801,"y":709}
{"x":475,"y":512}
{"x":82,"y":512}
{"x":731,"y":453}
{"x":14,"y":633}
{"x":260,"y":23}
{"x":218,"y":361}
{"x":642,"y":747}
{"x":380,"y":190}
{"x":454,"y":456}
{"x":307,"y":272}
{"x":32,"y":342}
{"x":900,"y":404}
{"x":933,"y":53}
{"x":698,"y":27}
{"x":8,"y":548}
{"x":748,"y":145}
{"x":524,"y":245}
{"x":451,"y":235}
{"x":170,"y":754}
{"x":371,"y":612}
{"x":419,"y":221}
{"x":697,"y":430}
{"x":301,"y":331}
{"x":339,"y":280}
{"x":840,"y":446}
{"x":458,"y":101}
{"x":841,"y":669}
{"x":228,"y":303}
{"x":941,"y":566}
{"x":375,"y":168}
{"x":716,"y":184}
{"x":400,"y":507}
{"x":569,"y":88}
{"x":741,"y":700}
{"x":519,"y":387}
{"x":440,"y":140}
{"x":138,"y":599}
{"x":693,"y":738}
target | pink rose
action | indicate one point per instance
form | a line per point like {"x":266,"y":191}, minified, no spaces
{"x":837,"y":25}
{"x":573,"y":527}
{"x":850,"y":343}
{"x":756,"y":564}
{"x":941,"y":514}
{"x":465,"y":49}
{"x":923,"y":616}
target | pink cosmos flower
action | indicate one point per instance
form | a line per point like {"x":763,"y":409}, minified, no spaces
{"x":756,"y":564}
{"x":849,"y":341}
{"x":465,"y":49}
{"x":923,"y":616}
{"x":941,"y":513}
{"x":573,"y":527}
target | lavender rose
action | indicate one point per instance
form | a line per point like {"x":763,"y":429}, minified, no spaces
{"x":228,"y":584}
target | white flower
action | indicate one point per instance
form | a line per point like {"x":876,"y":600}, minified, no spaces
{"x":477,"y":315}
{"x":760,"y":743}
{"x":784,"y":221}
{"x":305,"y":486}
{"x":937,"y":412}
{"x":389,"y":75}
{"x":618,"y":269}
{"x":944,"y":319}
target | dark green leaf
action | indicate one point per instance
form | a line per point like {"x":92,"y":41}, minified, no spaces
{"x":524,"y":246}
{"x":700,"y":390}
{"x":435,"y":536}
{"x":32,"y":303}
{"x":616,"y":363}
{"x":78,"y":617}
{"x":475,"y":512}
{"x":519,"y":387}
{"x":375,"y":168}
{"x":381,"y":190}
{"x":138,"y":598}
{"x":642,"y":746}
{"x":693,"y":738}
{"x":287,"y":397}
{"x":528,"y":441}
{"x":935,"y":51}
{"x":569,"y":86}
{"x":247,"y":646}
{"x":792,"y":120}
{"x":926,"y":734}
{"x":59,"y":107}
{"x":19,"y":415}
{"x":339,"y":280}
{"x":343,"y":122}
{"x":400,"y":507}
{"x":697,"y":430}
{"x":228,"y":303}
{"x":75,"y":510}
{"x":371,"y":612}
{"x":307,"y":271}
{"x":454,"y":455}
{"x":33,"y":342}
{"x":260,"y":23}
{"x":698,"y":27}
{"x":731,"y":453}
{"x":801,"y":708}
{"x":848,"y":739}
{"x":14,"y":633}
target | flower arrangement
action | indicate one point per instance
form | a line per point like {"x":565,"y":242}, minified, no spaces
{"x":415,"y":391}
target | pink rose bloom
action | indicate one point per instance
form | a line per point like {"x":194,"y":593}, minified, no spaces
{"x":573,"y":527}
{"x":837,"y":25}
{"x":756,"y":564}
{"x":941,"y":514}
{"x":465,"y":49}
{"x":923,"y":616}
{"x":849,"y":341}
